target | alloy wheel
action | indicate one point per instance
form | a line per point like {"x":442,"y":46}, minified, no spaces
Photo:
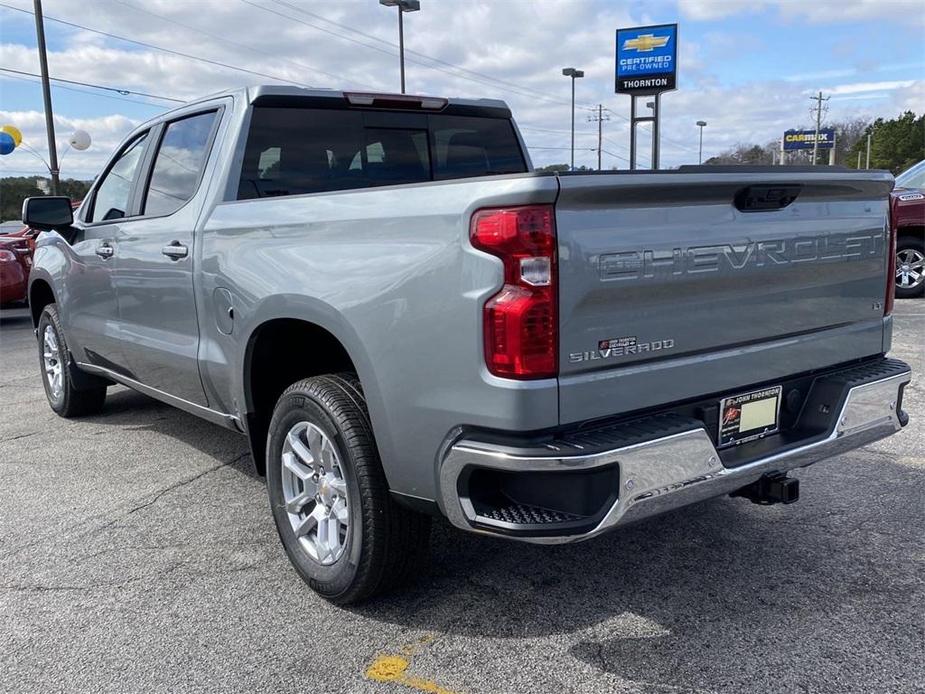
{"x":910,"y":268}
{"x":51,"y":358}
{"x":315,"y":493}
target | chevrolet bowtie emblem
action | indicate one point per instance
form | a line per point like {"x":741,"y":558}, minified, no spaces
{"x":645,"y":42}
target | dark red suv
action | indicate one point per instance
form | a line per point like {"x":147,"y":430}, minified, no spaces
{"x":907,"y":212}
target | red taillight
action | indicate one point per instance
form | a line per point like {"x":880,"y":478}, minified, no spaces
{"x":521,"y":321}
{"x":891,"y":273}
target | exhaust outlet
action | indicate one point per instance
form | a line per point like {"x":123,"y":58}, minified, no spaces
{"x":772,"y":488}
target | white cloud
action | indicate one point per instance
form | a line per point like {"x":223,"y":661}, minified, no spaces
{"x":817,"y":12}
{"x":861,"y":87}
{"x":106,"y":132}
{"x":522,"y":43}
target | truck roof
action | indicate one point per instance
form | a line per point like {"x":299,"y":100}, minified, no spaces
{"x":270,"y":94}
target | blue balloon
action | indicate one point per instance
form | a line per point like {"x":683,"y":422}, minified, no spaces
{"x":7,"y":143}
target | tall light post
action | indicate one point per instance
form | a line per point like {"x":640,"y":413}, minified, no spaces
{"x":403,"y":6}
{"x":701,"y":124}
{"x":574,"y":74}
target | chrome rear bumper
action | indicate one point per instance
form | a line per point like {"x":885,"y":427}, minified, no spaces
{"x":669,"y":471}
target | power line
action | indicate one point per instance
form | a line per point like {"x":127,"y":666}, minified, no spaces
{"x":453,"y":66}
{"x":123,"y":92}
{"x":614,"y":154}
{"x":79,"y":91}
{"x":484,"y":81}
{"x":152,"y":46}
{"x":229,"y":42}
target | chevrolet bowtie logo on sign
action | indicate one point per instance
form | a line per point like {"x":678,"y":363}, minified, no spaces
{"x":645,"y":42}
{"x":647,"y":59}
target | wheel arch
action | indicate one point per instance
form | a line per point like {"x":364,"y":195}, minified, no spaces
{"x":287,"y":345}
{"x":40,"y":295}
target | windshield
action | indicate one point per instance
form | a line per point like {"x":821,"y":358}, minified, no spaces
{"x":912,"y":178}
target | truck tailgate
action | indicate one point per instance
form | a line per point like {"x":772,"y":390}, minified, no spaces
{"x":681,"y":284}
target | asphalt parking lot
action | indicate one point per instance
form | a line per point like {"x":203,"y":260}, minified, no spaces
{"x":137,"y":553}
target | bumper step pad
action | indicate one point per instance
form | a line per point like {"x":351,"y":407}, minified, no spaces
{"x":525,"y":514}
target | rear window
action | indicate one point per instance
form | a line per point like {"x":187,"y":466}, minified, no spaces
{"x":291,"y":151}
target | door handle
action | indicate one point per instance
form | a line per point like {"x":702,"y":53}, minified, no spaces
{"x":175,"y":251}
{"x":105,"y":251}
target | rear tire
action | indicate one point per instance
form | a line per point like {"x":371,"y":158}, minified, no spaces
{"x":910,"y":250}
{"x":57,"y":371}
{"x":342,"y":531}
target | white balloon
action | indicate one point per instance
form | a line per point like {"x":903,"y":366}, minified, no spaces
{"x":80,"y":140}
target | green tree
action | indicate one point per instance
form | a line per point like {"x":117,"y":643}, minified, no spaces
{"x":554,"y":167}
{"x":13,"y":190}
{"x":896,"y":144}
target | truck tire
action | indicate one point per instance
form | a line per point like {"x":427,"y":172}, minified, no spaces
{"x":910,"y":274}
{"x":58,"y":371}
{"x":344,"y":534}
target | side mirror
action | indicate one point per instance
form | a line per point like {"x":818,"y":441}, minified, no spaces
{"x":47,"y":212}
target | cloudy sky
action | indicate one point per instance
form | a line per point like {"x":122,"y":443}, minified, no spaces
{"x":747,"y":68}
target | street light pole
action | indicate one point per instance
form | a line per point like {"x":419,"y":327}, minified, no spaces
{"x":574,"y":74}
{"x":46,"y":95}
{"x":702,"y":124}
{"x":403,"y":6}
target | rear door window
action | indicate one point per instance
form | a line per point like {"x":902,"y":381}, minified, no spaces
{"x":178,"y":164}
{"x":465,"y":146}
{"x":293,"y":151}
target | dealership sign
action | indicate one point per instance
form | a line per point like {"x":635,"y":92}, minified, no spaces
{"x":804,"y":139}
{"x":647,"y":59}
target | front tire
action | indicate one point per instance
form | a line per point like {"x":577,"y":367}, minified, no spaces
{"x":340,"y":528}
{"x":64,"y":397}
{"x":910,"y":266}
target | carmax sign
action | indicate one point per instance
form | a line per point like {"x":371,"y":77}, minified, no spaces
{"x":803,"y":139}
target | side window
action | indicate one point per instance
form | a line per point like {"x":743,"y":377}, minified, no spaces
{"x":111,"y":199}
{"x":178,"y":165}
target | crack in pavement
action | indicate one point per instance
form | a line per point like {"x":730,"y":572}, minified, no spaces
{"x":20,"y":436}
{"x":119,"y":513}
{"x":183,"y":483}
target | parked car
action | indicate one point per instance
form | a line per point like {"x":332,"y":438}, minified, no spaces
{"x":16,"y":248}
{"x":15,"y":264}
{"x":407,"y":321}
{"x":908,"y":220}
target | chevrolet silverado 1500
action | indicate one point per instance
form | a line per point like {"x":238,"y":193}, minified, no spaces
{"x":407,"y":321}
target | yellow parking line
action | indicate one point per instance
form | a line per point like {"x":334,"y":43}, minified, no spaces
{"x":394,"y":668}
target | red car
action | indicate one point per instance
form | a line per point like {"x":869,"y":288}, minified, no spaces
{"x":907,"y":212}
{"x":15,"y":264}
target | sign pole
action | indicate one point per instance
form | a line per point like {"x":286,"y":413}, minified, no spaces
{"x":655,"y":134}
{"x":632,"y":132}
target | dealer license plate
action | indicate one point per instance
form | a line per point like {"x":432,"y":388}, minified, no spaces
{"x":749,"y":416}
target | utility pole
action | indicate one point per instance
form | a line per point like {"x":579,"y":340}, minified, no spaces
{"x":599,"y":118}
{"x":46,"y":94}
{"x":818,"y":109}
{"x":868,"y":151}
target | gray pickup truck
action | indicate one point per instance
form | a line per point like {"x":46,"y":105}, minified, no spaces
{"x":407,"y":321}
